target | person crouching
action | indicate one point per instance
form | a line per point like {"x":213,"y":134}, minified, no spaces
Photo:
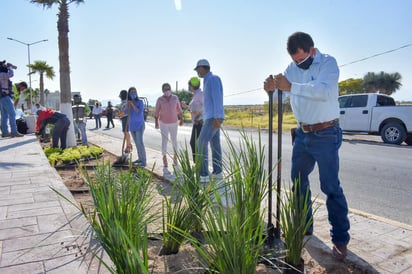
{"x":61,"y":125}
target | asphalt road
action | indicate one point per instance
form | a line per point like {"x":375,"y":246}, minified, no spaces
{"x":376,"y":177}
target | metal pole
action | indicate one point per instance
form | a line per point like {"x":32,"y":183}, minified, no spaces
{"x":270,"y":227}
{"x":279,"y":166}
{"x":28,"y":55}
{"x":31,"y":98}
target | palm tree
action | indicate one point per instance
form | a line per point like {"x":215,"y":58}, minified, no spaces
{"x":42,"y":68}
{"x":35,"y":93}
{"x":392,"y":82}
{"x":386,"y":83}
{"x":63,"y":30}
{"x":46,"y":93}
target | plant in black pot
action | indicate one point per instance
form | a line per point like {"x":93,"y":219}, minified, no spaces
{"x":294,"y":223}
{"x":177,"y":220}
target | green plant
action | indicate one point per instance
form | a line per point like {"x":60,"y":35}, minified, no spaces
{"x":122,"y":212}
{"x":84,"y":151}
{"x":188,"y":183}
{"x":95,"y":150}
{"x":182,"y":208}
{"x":54,"y":158}
{"x":233,"y":220}
{"x":176,"y":221}
{"x":50,"y":150}
{"x":70,"y":154}
{"x":56,"y":155}
{"x":294,"y":221}
{"x":246,"y":164}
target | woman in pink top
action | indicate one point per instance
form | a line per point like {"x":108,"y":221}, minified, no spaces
{"x":167,"y":114}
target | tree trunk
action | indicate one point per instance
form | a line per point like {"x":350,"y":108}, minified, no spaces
{"x":41,"y":89}
{"x":65,"y":89}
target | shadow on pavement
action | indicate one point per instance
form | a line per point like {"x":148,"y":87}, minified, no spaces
{"x":321,"y":253}
{"x":23,"y":142}
{"x":375,"y":143}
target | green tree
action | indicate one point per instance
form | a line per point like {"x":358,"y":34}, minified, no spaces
{"x":35,"y":93}
{"x":42,"y":68}
{"x":351,"y":86}
{"x":184,"y":95}
{"x":63,"y":40}
{"x":386,"y":83}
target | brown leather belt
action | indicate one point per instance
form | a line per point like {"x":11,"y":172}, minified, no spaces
{"x":316,"y":127}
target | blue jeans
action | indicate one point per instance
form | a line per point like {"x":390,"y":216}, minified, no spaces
{"x":138,"y":140}
{"x":60,"y":132}
{"x":98,"y":120}
{"x":211,"y":135}
{"x":81,"y":126}
{"x":8,"y":114}
{"x":322,"y":147}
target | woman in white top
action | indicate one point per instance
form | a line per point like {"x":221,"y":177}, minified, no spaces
{"x":196,"y":109}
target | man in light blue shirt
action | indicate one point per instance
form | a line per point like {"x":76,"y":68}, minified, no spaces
{"x":213,"y":116}
{"x":311,"y":80}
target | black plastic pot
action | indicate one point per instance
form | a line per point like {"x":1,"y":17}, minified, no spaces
{"x":166,"y":251}
{"x":295,"y":269}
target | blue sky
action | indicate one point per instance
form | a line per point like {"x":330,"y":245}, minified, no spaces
{"x":117,"y":44}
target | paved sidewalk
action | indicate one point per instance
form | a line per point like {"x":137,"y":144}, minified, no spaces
{"x":42,"y":233}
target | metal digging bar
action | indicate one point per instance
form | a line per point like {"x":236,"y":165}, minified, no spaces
{"x":272,"y":232}
{"x":270,"y":227}
{"x":279,"y":166}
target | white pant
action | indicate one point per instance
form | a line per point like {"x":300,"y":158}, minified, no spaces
{"x":165,"y":130}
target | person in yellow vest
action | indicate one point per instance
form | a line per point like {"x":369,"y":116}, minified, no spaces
{"x":80,"y":113}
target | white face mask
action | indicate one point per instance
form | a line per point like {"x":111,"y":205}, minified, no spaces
{"x":167,"y":93}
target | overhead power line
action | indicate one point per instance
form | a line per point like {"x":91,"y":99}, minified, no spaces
{"x":353,"y":62}
{"x":242,"y":92}
{"x":375,"y":55}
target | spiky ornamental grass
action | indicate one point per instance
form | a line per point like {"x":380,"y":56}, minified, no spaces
{"x":232,"y":218}
{"x":294,"y":221}
{"x":181,"y":210}
{"x":176,"y":221}
{"x":188,"y":184}
{"x":122,"y":212}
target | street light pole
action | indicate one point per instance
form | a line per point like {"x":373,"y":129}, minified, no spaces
{"x":28,"y":56}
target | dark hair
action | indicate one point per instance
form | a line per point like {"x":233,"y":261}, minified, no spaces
{"x":299,"y":40}
{"x":123,"y":94}
{"x":22,"y":84}
{"x":128,"y":94}
{"x":166,"y":84}
{"x":3,"y":66}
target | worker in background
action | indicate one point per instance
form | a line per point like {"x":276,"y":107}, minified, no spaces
{"x":80,"y":113}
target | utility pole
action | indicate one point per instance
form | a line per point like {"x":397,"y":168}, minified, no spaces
{"x":28,"y":56}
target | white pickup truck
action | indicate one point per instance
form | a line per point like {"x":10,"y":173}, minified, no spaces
{"x":376,"y":114}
